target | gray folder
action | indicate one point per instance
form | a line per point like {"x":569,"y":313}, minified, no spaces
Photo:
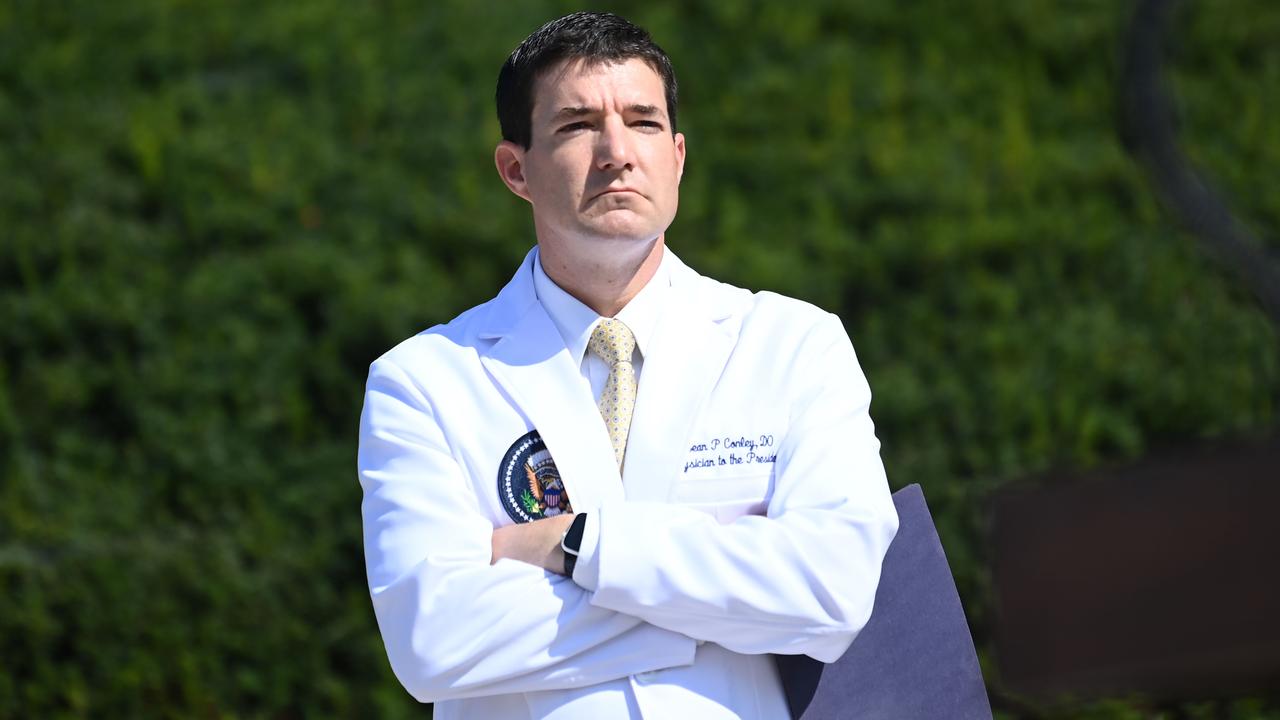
{"x":915,"y":657}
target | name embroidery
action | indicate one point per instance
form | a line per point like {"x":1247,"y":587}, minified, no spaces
{"x":730,"y":450}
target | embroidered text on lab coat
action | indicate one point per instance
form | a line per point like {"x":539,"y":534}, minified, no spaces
{"x":732,"y":449}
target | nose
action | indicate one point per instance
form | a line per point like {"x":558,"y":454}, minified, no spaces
{"x":614,"y":149}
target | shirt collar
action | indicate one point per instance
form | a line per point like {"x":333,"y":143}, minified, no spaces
{"x":575,"y":321}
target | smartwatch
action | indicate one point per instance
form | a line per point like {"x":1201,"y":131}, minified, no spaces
{"x":571,"y":542}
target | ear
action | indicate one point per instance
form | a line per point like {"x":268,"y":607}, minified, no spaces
{"x":509,"y":158}
{"x":679,"y":140}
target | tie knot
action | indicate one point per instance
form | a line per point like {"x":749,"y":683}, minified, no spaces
{"x":612,"y":341}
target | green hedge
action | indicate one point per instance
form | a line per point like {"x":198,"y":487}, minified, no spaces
{"x":215,"y":214}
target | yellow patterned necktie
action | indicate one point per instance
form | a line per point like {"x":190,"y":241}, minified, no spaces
{"x":613,"y":342}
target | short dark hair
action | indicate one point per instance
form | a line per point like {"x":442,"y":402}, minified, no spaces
{"x":592,"y":37}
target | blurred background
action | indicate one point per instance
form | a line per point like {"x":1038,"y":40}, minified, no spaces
{"x":214,"y":214}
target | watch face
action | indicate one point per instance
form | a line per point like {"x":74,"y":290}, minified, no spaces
{"x":529,"y":484}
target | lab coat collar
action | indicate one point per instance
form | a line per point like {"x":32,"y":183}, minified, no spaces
{"x":709,"y":300}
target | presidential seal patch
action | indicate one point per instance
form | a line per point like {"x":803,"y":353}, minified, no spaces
{"x":529,"y":484}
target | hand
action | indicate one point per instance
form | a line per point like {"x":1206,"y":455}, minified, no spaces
{"x":536,"y":543}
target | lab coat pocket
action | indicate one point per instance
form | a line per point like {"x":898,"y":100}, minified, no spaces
{"x":726,"y":496}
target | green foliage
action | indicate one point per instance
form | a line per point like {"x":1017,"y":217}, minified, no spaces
{"x":529,"y":502}
{"x":214,"y":215}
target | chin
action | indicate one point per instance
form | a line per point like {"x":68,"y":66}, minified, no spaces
{"x":624,"y":227}
{"x":622,"y":232}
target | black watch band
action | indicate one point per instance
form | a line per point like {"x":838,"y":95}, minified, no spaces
{"x":571,"y":543}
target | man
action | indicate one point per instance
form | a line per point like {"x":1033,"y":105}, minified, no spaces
{"x":617,"y":487}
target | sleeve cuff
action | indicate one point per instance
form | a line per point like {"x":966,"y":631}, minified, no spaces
{"x":587,"y":571}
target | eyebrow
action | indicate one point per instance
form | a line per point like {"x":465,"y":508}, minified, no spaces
{"x":575,"y":111}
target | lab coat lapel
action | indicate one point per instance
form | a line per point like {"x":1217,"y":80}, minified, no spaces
{"x":532,"y":364}
{"x":695,"y":337}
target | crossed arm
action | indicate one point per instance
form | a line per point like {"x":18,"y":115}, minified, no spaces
{"x":536,"y":543}
{"x":467,"y":610}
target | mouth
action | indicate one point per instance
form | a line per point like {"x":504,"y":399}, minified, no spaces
{"x":615,"y":191}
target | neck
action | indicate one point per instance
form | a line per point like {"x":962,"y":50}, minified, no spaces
{"x":605,"y":283}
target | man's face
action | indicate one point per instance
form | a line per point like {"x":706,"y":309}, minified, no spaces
{"x":603,"y":164}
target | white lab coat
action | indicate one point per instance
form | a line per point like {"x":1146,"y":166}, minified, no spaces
{"x":751,"y":518}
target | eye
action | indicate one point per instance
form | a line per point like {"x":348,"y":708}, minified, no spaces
{"x":648,"y":125}
{"x":571,"y":127}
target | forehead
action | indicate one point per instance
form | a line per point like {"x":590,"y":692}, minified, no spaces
{"x":575,"y":83}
